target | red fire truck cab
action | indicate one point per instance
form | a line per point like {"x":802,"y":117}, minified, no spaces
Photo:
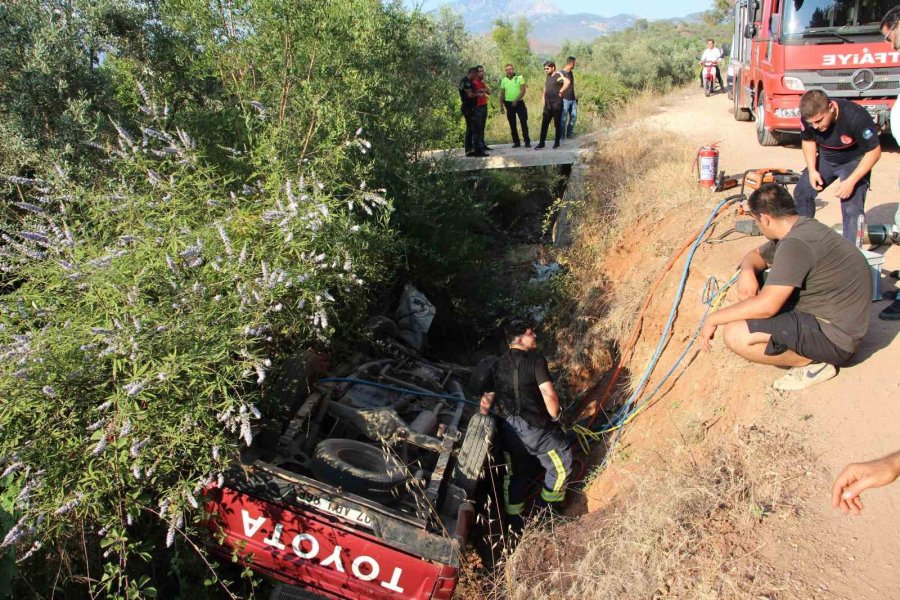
{"x":783,"y":48}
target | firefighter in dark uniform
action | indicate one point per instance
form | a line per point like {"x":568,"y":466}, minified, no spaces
{"x":528,"y":407}
{"x":840,"y":142}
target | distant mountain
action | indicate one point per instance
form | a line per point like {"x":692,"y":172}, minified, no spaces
{"x":549,"y":25}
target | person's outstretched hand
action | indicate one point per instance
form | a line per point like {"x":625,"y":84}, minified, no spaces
{"x":858,"y":477}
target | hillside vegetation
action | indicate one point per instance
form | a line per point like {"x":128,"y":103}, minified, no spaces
{"x":192,"y":191}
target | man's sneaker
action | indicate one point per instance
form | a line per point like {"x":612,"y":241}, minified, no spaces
{"x":800,"y":378}
{"x":556,"y":145}
{"x":539,"y":146}
{"x":516,"y":146}
{"x":891,"y":313}
{"x":528,"y":144}
{"x":479,"y":154}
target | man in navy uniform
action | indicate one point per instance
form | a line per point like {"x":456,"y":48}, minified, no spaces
{"x":840,"y":142}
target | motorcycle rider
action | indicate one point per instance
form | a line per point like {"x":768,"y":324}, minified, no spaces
{"x":711,"y":54}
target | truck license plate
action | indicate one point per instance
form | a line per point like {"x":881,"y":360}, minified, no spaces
{"x":334,"y":508}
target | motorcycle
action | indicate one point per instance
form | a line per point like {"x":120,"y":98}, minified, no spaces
{"x":709,"y":76}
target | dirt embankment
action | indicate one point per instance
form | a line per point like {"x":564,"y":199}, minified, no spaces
{"x":758,"y":463}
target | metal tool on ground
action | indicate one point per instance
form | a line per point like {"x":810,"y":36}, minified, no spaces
{"x":754,"y":178}
{"x":750,"y":180}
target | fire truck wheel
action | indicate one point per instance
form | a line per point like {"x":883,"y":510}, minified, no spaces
{"x":740,"y":113}
{"x":764,"y":136}
{"x":479,"y":376}
{"x":474,"y":451}
{"x":359,"y":468}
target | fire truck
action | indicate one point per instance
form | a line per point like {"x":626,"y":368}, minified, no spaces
{"x":783,"y":48}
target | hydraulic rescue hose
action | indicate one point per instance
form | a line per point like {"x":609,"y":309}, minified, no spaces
{"x":712,"y":297}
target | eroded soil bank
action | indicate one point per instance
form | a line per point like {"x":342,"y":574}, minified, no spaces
{"x":721,"y":487}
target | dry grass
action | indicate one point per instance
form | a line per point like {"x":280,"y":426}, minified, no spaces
{"x":639,"y":181}
{"x":685,"y":531}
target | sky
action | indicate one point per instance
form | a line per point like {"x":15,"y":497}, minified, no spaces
{"x":649,"y":9}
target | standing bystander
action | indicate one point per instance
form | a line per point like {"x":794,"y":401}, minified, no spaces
{"x":570,"y":102}
{"x":482,"y":91}
{"x":555,"y":88}
{"x":468,"y":100}
{"x":512,"y":101}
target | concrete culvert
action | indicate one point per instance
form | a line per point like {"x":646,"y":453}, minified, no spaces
{"x":359,"y":468}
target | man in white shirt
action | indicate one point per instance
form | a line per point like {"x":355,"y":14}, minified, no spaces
{"x":711,"y":54}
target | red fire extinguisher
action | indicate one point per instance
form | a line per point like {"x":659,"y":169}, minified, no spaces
{"x":708,"y":165}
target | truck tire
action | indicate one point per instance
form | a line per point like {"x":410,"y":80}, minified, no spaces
{"x":740,"y":113}
{"x":479,"y":376}
{"x":474,"y":451}
{"x":763,"y":135}
{"x":359,"y":468}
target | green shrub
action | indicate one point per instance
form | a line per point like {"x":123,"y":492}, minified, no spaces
{"x":148,"y":317}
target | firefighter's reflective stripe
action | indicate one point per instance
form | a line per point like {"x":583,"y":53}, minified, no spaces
{"x":556,"y":493}
{"x":548,"y":496}
{"x":560,"y":471}
{"x":510,"y":508}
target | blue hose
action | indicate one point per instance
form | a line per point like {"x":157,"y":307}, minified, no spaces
{"x":398,"y":389}
{"x":710,"y":293}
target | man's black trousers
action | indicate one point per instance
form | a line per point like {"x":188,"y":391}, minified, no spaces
{"x":474,"y":131}
{"x":522,"y":112}
{"x":480,"y":123}
{"x":554,"y":113}
{"x":851,"y":208}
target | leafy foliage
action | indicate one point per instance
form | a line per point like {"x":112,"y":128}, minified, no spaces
{"x":512,"y":41}
{"x":193,"y":191}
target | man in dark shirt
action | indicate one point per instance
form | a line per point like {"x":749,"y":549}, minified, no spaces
{"x":555,"y":88}
{"x":528,"y":407}
{"x":570,"y":103}
{"x":469,"y":100}
{"x":840,"y":141}
{"x":813,"y":310}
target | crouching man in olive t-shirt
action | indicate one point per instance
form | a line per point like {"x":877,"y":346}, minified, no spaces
{"x":813,"y":310}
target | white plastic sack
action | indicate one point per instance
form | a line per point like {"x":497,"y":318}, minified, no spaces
{"x":414,"y":316}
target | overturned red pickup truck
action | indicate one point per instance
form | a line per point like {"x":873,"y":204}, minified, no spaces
{"x":366,"y":488}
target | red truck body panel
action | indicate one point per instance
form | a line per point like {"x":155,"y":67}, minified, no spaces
{"x":313,"y":550}
{"x":765,"y":61}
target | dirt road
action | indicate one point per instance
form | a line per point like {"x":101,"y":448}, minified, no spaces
{"x":854,"y":417}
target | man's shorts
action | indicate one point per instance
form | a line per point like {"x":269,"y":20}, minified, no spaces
{"x":800,"y":332}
